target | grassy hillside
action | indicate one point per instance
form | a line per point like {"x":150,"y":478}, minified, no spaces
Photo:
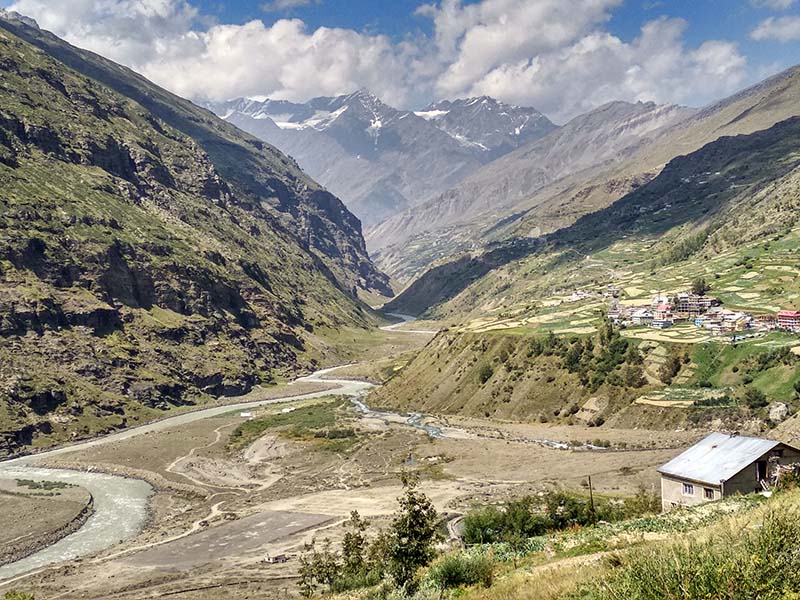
{"x":505,"y":201}
{"x":518,"y":377}
{"x":740,"y":547}
{"x":737,"y":549}
{"x":725,"y":199}
{"x":150,"y":254}
{"x":726,"y":213}
{"x":605,"y":379}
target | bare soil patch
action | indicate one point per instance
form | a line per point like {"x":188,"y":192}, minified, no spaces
{"x":233,"y":539}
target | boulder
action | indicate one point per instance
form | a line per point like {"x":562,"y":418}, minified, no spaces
{"x":778,"y":412}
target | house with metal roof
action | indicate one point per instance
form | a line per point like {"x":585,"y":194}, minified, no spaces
{"x":722,"y":465}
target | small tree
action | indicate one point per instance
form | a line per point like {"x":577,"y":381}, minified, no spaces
{"x":485,"y":373}
{"x":700,"y":287}
{"x":634,"y":376}
{"x":318,"y":568}
{"x":517,"y":545}
{"x":413,"y":534}
{"x":354,"y":545}
{"x":307,"y":581}
{"x":670,"y":368}
{"x":378,"y":552}
{"x":755,"y":398}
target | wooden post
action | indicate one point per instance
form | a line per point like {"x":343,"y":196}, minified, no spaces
{"x":591,"y":501}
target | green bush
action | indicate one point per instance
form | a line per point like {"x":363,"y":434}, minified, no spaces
{"x":485,"y":373}
{"x":455,"y":570}
{"x":755,"y":399}
{"x":534,"y":516}
{"x":15,"y":595}
{"x":761,"y":563}
{"x":335,"y":434}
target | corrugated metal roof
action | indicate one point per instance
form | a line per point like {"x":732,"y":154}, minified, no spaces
{"x":717,"y":458}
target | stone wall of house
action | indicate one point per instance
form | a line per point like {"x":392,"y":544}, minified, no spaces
{"x":673,"y":495}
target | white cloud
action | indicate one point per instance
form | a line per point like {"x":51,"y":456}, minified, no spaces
{"x":773,"y":4}
{"x":477,"y":38}
{"x":551,"y":54}
{"x":161,"y":40}
{"x":781,"y":29}
{"x":599,"y":68}
{"x":129,"y":31}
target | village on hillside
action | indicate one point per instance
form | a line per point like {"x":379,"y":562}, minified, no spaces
{"x":703,"y":311}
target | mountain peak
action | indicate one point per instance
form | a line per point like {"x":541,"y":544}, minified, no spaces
{"x":363,"y":97}
{"x":487,"y":124}
{"x":11,"y":15}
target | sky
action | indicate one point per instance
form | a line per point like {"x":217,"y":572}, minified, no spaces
{"x":563,"y":57}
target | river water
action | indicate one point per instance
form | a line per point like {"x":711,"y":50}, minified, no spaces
{"x":120,"y":504}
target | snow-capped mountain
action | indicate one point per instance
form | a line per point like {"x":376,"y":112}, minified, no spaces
{"x":490,"y":127}
{"x":381,"y":160}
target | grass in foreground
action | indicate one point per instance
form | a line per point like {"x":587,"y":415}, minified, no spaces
{"x":762,"y":561}
{"x":740,"y":548}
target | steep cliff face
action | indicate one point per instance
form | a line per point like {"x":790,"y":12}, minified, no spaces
{"x":151,"y":255}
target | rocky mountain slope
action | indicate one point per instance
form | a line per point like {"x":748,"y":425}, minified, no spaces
{"x":492,"y":128}
{"x":732,"y":192}
{"x":606,"y":135}
{"x":380,"y":160}
{"x":529,"y":348}
{"x":471,"y":218}
{"x":151,"y":255}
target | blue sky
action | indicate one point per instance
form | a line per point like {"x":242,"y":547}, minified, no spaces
{"x":709,"y":18}
{"x":722,"y":19}
{"x":563,"y":56}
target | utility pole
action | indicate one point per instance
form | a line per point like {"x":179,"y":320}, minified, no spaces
{"x":591,"y":501}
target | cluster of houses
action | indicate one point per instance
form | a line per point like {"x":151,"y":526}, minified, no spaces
{"x":705,"y":312}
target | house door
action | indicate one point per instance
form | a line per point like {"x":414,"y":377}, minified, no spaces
{"x":761,"y":470}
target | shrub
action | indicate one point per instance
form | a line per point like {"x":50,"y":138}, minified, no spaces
{"x":751,"y":563}
{"x":485,"y":373}
{"x":700,"y":286}
{"x":755,"y":398}
{"x":335,"y":434}
{"x":454,"y":570}
{"x":670,"y":368}
{"x":483,"y":525}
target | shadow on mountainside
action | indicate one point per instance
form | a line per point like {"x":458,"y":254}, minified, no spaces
{"x":694,"y":189}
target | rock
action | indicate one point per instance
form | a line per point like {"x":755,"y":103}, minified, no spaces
{"x":778,"y":412}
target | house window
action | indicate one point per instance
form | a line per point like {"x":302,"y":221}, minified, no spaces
{"x":688,"y":489}
{"x":709,"y":493}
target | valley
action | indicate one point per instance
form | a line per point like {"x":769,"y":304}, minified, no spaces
{"x":218,"y":503}
{"x":303,"y":343}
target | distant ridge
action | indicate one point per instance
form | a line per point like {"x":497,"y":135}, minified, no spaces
{"x":381,"y":160}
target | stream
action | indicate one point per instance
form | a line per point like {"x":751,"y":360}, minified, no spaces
{"x":120,"y":503}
